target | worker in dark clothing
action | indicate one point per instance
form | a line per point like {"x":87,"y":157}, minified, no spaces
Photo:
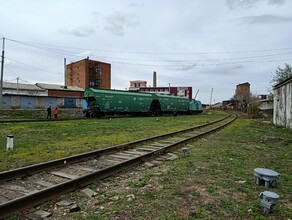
{"x":49,"y":112}
{"x":174,"y":113}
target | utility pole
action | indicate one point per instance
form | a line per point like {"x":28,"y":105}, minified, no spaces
{"x":169,"y":88}
{"x":211,"y":98}
{"x":2,"y":71}
{"x":17,"y":79}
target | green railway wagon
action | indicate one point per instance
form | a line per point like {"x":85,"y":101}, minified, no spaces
{"x":113,"y":101}
{"x":195,"y":106}
{"x":169,"y":103}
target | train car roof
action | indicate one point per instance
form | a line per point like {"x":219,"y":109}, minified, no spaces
{"x":170,"y":96}
{"x":91,"y":92}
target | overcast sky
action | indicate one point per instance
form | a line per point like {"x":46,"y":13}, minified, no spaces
{"x":200,"y":43}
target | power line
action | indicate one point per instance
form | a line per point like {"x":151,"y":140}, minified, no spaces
{"x":180,"y":63}
{"x":30,"y":65}
{"x":170,"y":65}
{"x":151,"y":60}
{"x":170,"y":53}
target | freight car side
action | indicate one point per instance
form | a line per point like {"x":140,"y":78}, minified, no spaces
{"x":170,"y":104}
{"x":195,"y":107}
{"x":109,"y":102}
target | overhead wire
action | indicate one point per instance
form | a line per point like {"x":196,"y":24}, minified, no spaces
{"x":171,"y":53}
{"x":155,"y":60}
{"x":30,"y":65}
{"x":181,"y":63}
{"x":170,"y":63}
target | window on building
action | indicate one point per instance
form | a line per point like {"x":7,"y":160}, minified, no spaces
{"x":98,"y":70}
{"x":98,"y":82}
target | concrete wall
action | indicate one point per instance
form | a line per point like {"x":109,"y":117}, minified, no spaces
{"x":283,"y":105}
{"x":39,"y":102}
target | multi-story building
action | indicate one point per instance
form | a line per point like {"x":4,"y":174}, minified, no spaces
{"x":140,"y":85}
{"x":88,"y":73}
{"x":242,"y":91}
{"x":176,"y":91}
{"x":137,"y":84}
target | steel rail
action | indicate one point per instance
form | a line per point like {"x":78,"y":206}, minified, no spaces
{"x":2,"y":121}
{"x":69,"y":119}
{"x":29,"y":170}
{"x":31,"y":200}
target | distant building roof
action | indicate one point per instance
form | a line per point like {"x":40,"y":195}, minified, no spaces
{"x":87,"y":59}
{"x":138,"y":81}
{"x":21,"y":86}
{"x":246,"y":83}
{"x":59,"y":87}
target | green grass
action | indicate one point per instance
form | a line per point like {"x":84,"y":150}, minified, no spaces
{"x":214,"y":181}
{"x":206,"y":183}
{"x":36,"y":142}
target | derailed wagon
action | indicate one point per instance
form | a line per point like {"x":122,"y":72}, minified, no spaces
{"x":102,"y":102}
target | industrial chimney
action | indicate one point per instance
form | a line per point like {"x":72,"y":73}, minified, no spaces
{"x":154,"y":79}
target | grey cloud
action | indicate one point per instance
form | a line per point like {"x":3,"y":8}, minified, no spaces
{"x":265,"y":19}
{"x":186,"y":68}
{"x":234,"y":4}
{"x":277,"y":2}
{"x":133,"y":5}
{"x":78,"y":32}
{"x":118,"y":22}
{"x":238,"y":67}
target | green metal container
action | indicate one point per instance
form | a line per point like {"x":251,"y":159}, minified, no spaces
{"x":169,"y":103}
{"x":195,"y":106}
{"x":114,"y":101}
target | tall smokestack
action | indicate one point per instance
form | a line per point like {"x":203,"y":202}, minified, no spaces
{"x":154,"y":79}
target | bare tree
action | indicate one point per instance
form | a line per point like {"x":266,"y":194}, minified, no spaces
{"x":282,"y":74}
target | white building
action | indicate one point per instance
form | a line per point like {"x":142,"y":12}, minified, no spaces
{"x":283,"y":103}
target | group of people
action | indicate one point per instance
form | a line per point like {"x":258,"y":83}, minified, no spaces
{"x":55,"y":112}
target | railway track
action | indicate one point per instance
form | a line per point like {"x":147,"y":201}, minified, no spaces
{"x":26,"y":187}
{"x":40,"y":120}
{"x":2,"y":121}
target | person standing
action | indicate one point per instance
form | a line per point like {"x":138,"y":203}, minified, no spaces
{"x":56,"y":112}
{"x":49,"y":112}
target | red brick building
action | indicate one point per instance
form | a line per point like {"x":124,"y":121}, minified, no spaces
{"x":88,"y":73}
{"x":242,"y":91}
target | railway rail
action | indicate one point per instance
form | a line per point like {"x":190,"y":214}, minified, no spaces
{"x":2,"y":121}
{"x":26,"y":187}
{"x":40,"y":120}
